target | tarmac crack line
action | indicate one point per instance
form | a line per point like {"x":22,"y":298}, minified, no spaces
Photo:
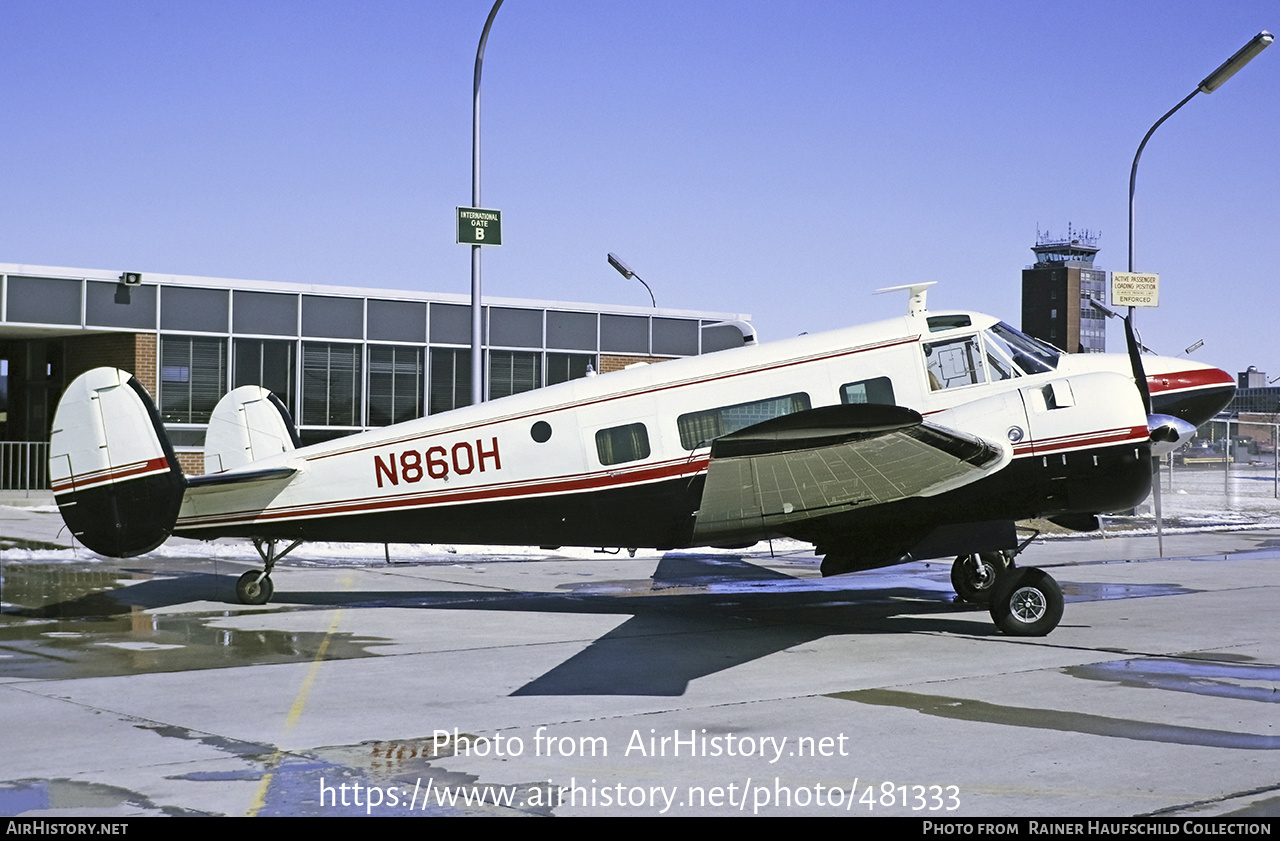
{"x":1235,"y":795}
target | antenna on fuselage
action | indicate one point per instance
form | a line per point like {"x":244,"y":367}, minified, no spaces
{"x":918,"y":292}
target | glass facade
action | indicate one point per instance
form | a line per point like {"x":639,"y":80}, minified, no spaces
{"x":511,"y":372}
{"x":1093,"y":323}
{"x":396,"y":382}
{"x":340,"y":360}
{"x":268,"y":363}
{"x":193,"y":376}
{"x":330,"y":385}
{"x":450,"y":379}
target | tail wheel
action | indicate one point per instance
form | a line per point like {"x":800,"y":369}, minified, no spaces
{"x":1027,"y":603}
{"x":974,"y":576}
{"x":254,"y":588}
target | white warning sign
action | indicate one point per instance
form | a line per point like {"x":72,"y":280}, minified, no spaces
{"x":1130,"y":289}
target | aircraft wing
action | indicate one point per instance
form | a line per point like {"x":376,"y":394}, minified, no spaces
{"x":832,"y":459}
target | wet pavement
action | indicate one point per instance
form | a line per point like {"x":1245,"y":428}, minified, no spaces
{"x":456,"y":681}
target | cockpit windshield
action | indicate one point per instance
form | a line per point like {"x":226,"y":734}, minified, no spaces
{"x":1031,"y":355}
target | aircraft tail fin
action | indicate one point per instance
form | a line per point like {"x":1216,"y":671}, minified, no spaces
{"x":113,"y":471}
{"x":249,"y":423}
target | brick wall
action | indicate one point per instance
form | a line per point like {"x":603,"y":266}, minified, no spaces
{"x":117,"y":350}
{"x":191,"y":462}
{"x":146,"y":361}
{"x":614,"y":362}
{"x":132,"y":352}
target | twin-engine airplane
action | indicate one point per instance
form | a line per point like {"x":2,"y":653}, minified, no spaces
{"x":919,"y":437}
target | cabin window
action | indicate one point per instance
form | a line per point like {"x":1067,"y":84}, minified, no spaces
{"x":947,"y":322}
{"x":878,"y":390}
{"x":620,"y":444}
{"x":954,"y":363}
{"x":1030,"y":355}
{"x":698,"y":429}
{"x":1001,"y":369}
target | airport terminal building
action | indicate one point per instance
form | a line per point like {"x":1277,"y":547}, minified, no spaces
{"x":343,"y":359}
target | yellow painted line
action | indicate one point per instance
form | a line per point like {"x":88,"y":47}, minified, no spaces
{"x":295,"y":711}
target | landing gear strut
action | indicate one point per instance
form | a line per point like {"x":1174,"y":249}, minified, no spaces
{"x":255,"y":587}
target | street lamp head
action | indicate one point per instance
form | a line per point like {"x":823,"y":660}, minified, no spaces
{"x":623,"y":268}
{"x":625,"y":271}
{"x":1229,"y":67}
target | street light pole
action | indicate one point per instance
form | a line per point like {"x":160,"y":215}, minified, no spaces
{"x":477,"y":358}
{"x":1208,"y":85}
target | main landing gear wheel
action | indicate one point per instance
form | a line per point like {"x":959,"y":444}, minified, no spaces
{"x":974,"y":576}
{"x":1027,"y":602}
{"x":254,"y":587}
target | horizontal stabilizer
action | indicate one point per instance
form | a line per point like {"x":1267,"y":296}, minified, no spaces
{"x":240,"y":477}
{"x":113,"y":472}
{"x":829,"y":460}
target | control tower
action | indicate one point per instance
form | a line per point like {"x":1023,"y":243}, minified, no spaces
{"x":1057,"y":289}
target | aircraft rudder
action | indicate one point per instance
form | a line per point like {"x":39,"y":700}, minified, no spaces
{"x":113,"y":471}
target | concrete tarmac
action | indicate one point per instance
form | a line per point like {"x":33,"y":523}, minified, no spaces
{"x":670,"y":683}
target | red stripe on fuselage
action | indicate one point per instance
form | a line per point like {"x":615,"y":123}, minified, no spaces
{"x":1083,"y":441}
{"x":528,"y":488}
{"x":603,"y":480}
{"x":1188,"y":380}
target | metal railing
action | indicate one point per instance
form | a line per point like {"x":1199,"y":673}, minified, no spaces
{"x":24,"y":465}
{"x":1231,"y":469}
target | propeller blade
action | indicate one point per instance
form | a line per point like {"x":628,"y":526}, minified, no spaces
{"x":1140,"y":380}
{"x":1155,"y":499}
{"x":1135,"y":360}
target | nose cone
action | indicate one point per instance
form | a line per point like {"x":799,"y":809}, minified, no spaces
{"x":1187,"y":390}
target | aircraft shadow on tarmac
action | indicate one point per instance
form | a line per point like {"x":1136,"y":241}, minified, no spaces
{"x":700,"y":615}
{"x":737,"y":612}
{"x":722,"y":612}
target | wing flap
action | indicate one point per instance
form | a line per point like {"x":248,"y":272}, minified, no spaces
{"x":829,"y":460}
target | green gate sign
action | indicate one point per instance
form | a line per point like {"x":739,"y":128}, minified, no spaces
{"x":479,"y":226}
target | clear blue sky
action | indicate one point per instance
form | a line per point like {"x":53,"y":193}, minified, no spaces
{"x":778,"y":158}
